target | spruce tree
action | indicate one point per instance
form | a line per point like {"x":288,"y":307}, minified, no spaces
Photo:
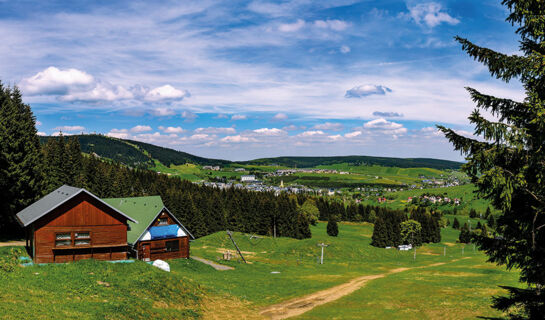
{"x":21,"y":174}
{"x":332,"y":227}
{"x":507,"y":164}
{"x":456,"y":224}
{"x":465,"y":234}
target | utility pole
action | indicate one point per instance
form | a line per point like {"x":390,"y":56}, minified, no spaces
{"x":323,"y":246}
{"x":240,"y":253}
{"x":444,"y":251}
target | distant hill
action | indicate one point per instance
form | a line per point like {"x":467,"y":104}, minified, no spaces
{"x":137,"y":153}
{"x":309,"y":162}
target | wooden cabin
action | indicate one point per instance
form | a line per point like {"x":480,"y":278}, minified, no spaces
{"x":71,"y":224}
{"x":158,"y":234}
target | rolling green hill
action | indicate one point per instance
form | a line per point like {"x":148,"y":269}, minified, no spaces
{"x":139,"y":153}
{"x":310,"y":162}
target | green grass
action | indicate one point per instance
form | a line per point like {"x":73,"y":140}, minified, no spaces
{"x":97,"y":290}
{"x":347,"y":257}
{"x":460,"y":288}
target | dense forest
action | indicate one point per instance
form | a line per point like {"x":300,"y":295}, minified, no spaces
{"x":135,"y":153}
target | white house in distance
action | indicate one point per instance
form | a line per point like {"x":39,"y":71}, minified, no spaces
{"x":247,"y":178}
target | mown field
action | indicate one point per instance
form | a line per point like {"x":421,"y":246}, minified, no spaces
{"x":458,"y":289}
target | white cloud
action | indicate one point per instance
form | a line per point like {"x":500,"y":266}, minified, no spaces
{"x":345,"y":49}
{"x":119,"y":133}
{"x":311,"y":133}
{"x":216,"y":130}
{"x":140,"y":128}
{"x":430,"y":14}
{"x":58,"y":133}
{"x":41,"y":133}
{"x":337,"y":25}
{"x":270,"y":132}
{"x":239,"y":117}
{"x":385,"y":126}
{"x":335,"y":137}
{"x":38,"y":123}
{"x":280,"y":117}
{"x":329,"y":126}
{"x":291,"y":127}
{"x":54,"y":81}
{"x":353,"y":134}
{"x":291,"y":27}
{"x":70,"y":128}
{"x":166,"y":92}
{"x":172,"y":129}
{"x":238,"y":139}
{"x":366,"y":90}
{"x":100,"y":92}
{"x":387,"y":114}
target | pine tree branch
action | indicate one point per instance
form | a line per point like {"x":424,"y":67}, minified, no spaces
{"x":500,"y":65}
{"x":506,"y":109}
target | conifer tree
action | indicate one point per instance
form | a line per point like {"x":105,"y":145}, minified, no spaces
{"x":507,"y":165}
{"x":465,"y":234}
{"x":332,"y":227}
{"x":456,"y":224}
{"x":21,"y":175}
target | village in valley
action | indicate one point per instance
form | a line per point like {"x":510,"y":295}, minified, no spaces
{"x":272,"y":159}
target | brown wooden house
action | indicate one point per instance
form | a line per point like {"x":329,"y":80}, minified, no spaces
{"x":158,"y":234}
{"x":72,"y":224}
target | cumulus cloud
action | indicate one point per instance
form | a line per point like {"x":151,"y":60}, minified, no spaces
{"x":366,"y":90}
{"x":140,"y":128}
{"x":166,"y":92}
{"x":280,"y":117}
{"x":171,"y":129}
{"x":73,"y":85}
{"x":43,"y":134}
{"x":385,"y":126}
{"x":54,"y":81}
{"x":270,"y":132}
{"x":216,"y":130}
{"x":329,"y":126}
{"x":291,"y":127}
{"x":345,"y":49}
{"x":353,"y":134}
{"x":70,"y":128}
{"x":387,"y":114}
{"x":119,"y":133}
{"x":430,"y":14}
{"x":239,"y":117}
{"x":337,"y":25}
{"x":311,"y":133}
{"x":238,"y":139}
{"x":291,"y":27}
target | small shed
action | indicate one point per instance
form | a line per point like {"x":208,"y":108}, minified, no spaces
{"x":158,"y":235}
{"x":72,"y":224}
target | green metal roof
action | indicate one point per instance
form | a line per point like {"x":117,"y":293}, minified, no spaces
{"x":142,"y":209}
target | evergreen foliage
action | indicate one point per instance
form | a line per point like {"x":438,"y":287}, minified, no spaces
{"x":411,"y":233}
{"x":465,"y":234}
{"x":456,"y":224}
{"x":21,"y":175}
{"x":507,"y":166}
{"x":332,"y":227}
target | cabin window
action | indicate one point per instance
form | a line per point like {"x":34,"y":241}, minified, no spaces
{"x":82,"y":238}
{"x":163,"y":221}
{"x":63,"y":239}
{"x":172,"y":246}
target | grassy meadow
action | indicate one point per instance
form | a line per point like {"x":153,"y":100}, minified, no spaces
{"x":458,"y":289}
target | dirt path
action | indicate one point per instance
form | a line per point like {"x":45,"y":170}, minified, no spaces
{"x":12,"y":243}
{"x":214,"y":265}
{"x":300,"y":305}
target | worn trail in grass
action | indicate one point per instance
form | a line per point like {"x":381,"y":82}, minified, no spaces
{"x":301,"y":305}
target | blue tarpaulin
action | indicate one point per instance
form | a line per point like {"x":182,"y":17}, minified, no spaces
{"x":162,"y":232}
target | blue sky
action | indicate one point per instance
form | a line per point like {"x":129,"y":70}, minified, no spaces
{"x":246,"y":79}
